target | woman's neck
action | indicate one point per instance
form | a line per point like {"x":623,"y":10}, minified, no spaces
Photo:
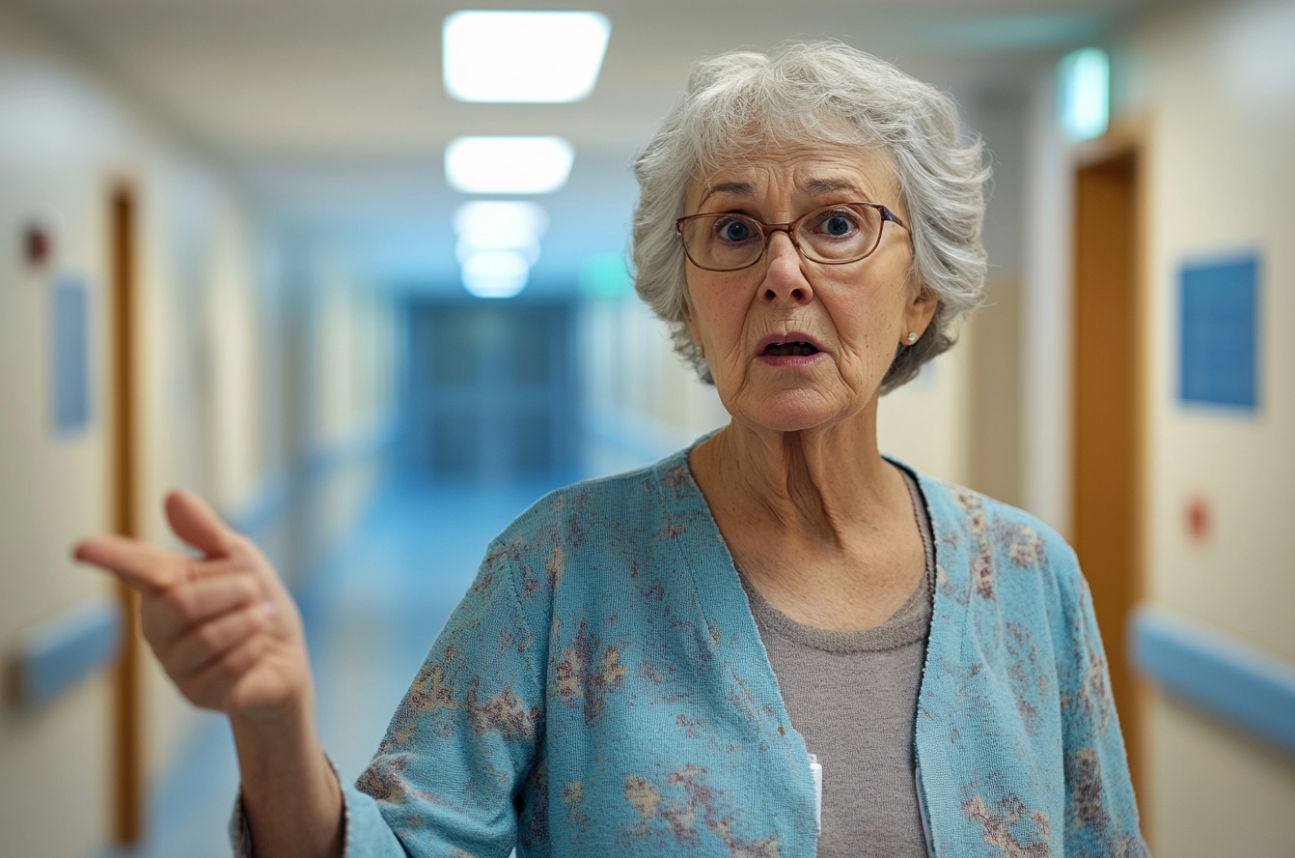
{"x":824,"y":483}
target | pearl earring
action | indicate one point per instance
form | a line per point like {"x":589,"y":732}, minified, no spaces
{"x":912,"y":337}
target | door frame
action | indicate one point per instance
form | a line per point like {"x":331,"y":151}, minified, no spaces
{"x":1112,"y":173}
{"x":124,"y":446}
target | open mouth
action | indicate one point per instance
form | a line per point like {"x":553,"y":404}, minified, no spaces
{"x":791,"y":349}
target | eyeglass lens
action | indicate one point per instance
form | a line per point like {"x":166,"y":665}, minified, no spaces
{"x":726,"y":242}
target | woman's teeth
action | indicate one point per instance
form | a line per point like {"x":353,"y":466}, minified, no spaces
{"x":797,"y":349}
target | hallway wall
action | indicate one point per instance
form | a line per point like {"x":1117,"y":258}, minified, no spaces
{"x":1206,"y":91}
{"x":351,"y":362}
{"x":1215,"y":87}
{"x":266,"y":377}
{"x":65,"y":139}
{"x":639,"y":402}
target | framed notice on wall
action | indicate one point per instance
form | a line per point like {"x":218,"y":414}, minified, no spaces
{"x":70,"y":358}
{"x":1219,"y":335}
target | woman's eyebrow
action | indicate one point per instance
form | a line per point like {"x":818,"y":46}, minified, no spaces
{"x":813,"y":186}
{"x":740,"y":189}
{"x":827,"y":186}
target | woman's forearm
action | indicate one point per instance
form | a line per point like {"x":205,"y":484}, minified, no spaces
{"x":227,"y":632}
{"x":291,"y":797}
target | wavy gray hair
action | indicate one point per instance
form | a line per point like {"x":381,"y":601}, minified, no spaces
{"x":823,"y":92}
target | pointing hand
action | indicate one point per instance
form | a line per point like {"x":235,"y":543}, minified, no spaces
{"x":223,"y":625}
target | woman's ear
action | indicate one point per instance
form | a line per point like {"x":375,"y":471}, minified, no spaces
{"x":920,"y":309}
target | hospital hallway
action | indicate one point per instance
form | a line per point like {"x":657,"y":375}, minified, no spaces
{"x":362,"y":275}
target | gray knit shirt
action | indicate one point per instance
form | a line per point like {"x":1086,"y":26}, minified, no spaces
{"x":853,"y":696}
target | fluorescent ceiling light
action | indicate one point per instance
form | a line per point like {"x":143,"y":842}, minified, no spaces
{"x":508,"y":165}
{"x":515,"y":226}
{"x":495,"y":273}
{"x":523,"y":56}
{"x":1084,"y":90}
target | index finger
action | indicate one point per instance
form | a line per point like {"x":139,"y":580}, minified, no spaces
{"x":194,"y":521}
{"x":144,"y":567}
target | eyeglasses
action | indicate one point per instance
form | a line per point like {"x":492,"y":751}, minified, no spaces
{"x":833,"y":235}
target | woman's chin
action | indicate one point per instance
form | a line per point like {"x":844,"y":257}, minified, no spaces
{"x":793,"y":411}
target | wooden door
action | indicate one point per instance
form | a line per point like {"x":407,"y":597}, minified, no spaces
{"x":1107,"y":525}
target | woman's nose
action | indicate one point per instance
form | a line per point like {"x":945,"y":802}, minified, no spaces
{"x":784,"y":279}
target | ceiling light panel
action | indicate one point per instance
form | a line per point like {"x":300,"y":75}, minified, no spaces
{"x":488,"y":225}
{"x":495,"y":273}
{"x":508,"y":165}
{"x":523,"y":56}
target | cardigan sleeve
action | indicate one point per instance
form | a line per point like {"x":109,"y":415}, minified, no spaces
{"x":1101,"y":813}
{"x":448,"y":776}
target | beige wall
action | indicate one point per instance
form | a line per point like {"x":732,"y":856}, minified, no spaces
{"x":925,"y":422}
{"x":1216,"y":87}
{"x":1045,"y":312}
{"x":65,"y":137}
{"x":217,"y":376}
{"x":200,"y":366}
{"x":640,"y":401}
{"x":993,"y":398}
{"x":353,"y":383}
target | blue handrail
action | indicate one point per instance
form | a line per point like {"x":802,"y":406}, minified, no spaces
{"x":1233,"y":680}
{"x":60,"y":652}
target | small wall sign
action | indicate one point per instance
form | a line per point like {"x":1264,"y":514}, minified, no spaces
{"x":71,"y":354}
{"x":1219,"y":348}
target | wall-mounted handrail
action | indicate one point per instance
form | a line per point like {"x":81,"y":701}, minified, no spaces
{"x":273,"y":495}
{"x":1238,"y":682}
{"x":62,"y":651}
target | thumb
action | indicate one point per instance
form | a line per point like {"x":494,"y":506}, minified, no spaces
{"x":194,"y":521}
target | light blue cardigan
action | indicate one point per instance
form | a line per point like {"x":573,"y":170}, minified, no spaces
{"x":602,"y":691}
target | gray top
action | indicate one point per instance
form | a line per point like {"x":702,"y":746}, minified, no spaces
{"x":853,"y":695}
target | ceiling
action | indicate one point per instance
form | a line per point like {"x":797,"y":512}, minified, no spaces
{"x":333,"y":113}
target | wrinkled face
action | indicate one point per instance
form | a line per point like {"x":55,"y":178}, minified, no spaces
{"x":794,"y":344}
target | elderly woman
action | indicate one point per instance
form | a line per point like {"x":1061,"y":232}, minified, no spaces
{"x":774,"y":643}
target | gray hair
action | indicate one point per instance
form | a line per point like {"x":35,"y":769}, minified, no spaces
{"x":829,"y":93}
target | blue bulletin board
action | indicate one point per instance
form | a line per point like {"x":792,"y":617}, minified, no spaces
{"x":71,"y":354}
{"x":1219,"y":343}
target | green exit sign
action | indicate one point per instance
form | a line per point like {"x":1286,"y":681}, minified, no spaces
{"x":1084,"y":94}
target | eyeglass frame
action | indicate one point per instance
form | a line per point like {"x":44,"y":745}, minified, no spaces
{"x":768,"y":229}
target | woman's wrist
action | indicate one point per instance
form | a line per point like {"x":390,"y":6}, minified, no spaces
{"x":272,"y":728}
{"x":279,"y":746}
{"x":291,"y":796}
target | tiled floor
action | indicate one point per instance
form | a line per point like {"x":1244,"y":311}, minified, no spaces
{"x":371,"y":616}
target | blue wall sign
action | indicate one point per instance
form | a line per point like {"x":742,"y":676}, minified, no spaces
{"x":1219,"y":342}
{"x":71,"y":354}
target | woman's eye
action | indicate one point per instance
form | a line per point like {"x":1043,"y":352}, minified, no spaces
{"x":838,"y":224}
{"x":734,"y":230}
